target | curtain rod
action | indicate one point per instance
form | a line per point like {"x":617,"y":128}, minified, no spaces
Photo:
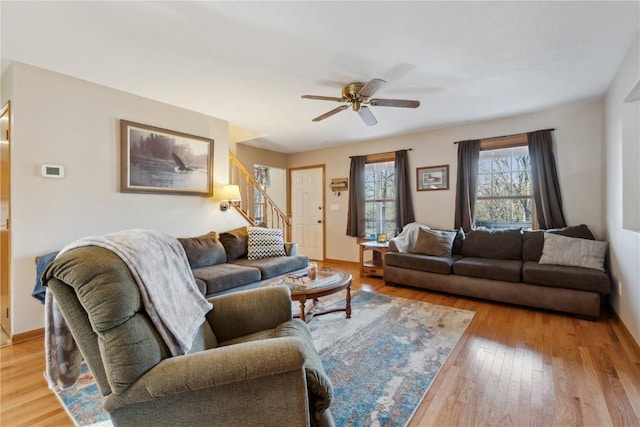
{"x":386,"y":152}
{"x":515,"y":134}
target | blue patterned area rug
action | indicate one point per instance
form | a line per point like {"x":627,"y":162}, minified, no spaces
{"x":381,"y":361}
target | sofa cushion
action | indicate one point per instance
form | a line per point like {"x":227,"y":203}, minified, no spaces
{"x":275,"y":266}
{"x":235,"y":242}
{"x":432,"y":264}
{"x":572,"y":252}
{"x":533,"y":241}
{"x":434,"y":242}
{"x":226,"y":276}
{"x":265,"y":243}
{"x":500,"y":244}
{"x":204,"y":250}
{"x":559,"y":276}
{"x":486,"y":268}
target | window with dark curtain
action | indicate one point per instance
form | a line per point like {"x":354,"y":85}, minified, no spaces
{"x":404,"y":201}
{"x":380,"y":196}
{"x":355,"y":215}
{"x":466,"y":186}
{"x":546,"y":188}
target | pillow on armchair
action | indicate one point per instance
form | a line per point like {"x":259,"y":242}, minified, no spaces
{"x":265,"y":243}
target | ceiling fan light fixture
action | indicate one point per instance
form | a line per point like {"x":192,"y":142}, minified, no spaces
{"x":357,"y":95}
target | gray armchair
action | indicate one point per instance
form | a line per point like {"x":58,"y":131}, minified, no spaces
{"x":251,"y":363}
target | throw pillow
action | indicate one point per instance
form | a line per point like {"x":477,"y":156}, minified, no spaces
{"x":532,"y":241}
{"x":203,"y":251}
{"x":235,"y":242}
{"x":573,"y":252}
{"x":265,"y":243}
{"x":434,"y":242}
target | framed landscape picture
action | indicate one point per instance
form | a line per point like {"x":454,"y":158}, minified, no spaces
{"x":432,"y":178}
{"x":156,"y":160}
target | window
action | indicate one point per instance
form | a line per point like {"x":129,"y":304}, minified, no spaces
{"x":505,"y":193}
{"x":380,"y":196}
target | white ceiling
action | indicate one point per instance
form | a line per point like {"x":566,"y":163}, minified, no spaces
{"x":249,"y":62}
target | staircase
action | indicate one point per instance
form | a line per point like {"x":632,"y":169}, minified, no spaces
{"x":256,"y":206}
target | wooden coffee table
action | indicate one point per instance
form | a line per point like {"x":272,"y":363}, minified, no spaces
{"x":341,"y":281}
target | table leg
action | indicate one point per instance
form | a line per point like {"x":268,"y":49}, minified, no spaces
{"x":347,"y":307}
{"x":303,"y":302}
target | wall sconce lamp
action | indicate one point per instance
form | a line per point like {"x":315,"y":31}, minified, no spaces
{"x":230,"y":196}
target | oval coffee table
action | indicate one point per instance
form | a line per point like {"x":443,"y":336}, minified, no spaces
{"x":326,"y":286}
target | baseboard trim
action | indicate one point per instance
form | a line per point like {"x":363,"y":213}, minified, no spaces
{"x":625,"y":331}
{"x":27,"y":336}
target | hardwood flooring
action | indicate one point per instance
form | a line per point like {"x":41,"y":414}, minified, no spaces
{"x":514,"y":366}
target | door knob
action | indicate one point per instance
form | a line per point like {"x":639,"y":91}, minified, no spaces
{"x":319,"y":221}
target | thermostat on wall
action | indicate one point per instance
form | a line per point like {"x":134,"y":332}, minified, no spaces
{"x":52,"y":171}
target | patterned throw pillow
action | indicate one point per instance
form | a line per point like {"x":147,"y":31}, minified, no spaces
{"x":265,"y":243}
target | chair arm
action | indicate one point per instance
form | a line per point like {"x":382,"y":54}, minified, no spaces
{"x":291,"y":248}
{"x":243,"y":313}
{"x":213,"y":368}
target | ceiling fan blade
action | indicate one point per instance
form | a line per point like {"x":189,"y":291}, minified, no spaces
{"x":371,"y":88}
{"x":405,"y":103}
{"x":367,"y":116}
{"x":331,"y":113}
{"x":323,"y":98}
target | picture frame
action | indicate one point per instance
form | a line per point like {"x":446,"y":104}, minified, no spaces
{"x":429,"y":178}
{"x":381,"y":238}
{"x":162,"y":161}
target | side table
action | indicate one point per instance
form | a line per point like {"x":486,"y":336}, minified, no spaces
{"x":375,"y":265}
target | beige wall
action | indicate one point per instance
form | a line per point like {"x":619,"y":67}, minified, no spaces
{"x":624,"y":244}
{"x":250,"y":156}
{"x":577,"y":147}
{"x":277,"y":162}
{"x":62,"y":120}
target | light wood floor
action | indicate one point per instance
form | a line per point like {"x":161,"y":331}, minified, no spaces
{"x":513,"y":367}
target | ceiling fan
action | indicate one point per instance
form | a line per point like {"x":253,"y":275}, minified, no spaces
{"x":358,"y":96}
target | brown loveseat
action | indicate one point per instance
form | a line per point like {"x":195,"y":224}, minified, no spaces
{"x":502,"y":266}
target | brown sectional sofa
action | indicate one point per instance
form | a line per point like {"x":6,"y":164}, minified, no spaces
{"x":220,"y":265}
{"x":504,"y":266}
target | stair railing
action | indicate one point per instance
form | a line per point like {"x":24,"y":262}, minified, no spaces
{"x":256,"y":200}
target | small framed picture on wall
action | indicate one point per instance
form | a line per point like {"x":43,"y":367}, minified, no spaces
{"x":432,"y":178}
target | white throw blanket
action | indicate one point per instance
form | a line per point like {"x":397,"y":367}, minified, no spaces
{"x":169,"y":292}
{"x":406,"y":240}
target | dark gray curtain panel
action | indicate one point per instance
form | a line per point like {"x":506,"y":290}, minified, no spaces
{"x":466,"y":186}
{"x":404,"y":203}
{"x":546,"y":189}
{"x":355,"y":215}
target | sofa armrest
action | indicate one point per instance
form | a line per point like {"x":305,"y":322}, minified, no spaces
{"x":291,"y":248}
{"x":214,"y":368}
{"x":243,"y":313}
{"x":264,"y":366}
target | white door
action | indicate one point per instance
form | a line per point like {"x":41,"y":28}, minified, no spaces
{"x":307,"y":211}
